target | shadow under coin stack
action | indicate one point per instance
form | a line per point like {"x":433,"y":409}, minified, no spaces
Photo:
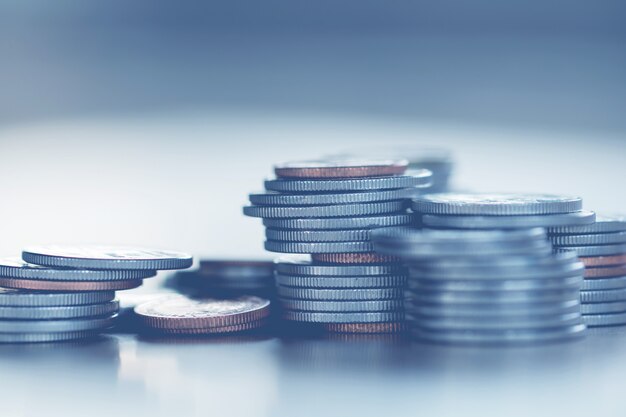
{"x":63,"y":293}
{"x":327,"y":209}
{"x":602,"y":248}
{"x":486,"y":287}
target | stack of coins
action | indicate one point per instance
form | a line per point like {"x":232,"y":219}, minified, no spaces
{"x":602,"y":248}
{"x":486,"y":287}
{"x":227,"y":278}
{"x":61,"y":293}
{"x":327,"y":209}
{"x":179,"y":315}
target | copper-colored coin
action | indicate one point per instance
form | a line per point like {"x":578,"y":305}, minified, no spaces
{"x":340,"y":169}
{"x":180,"y":312}
{"x":367,"y":328}
{"x":605,"y":272}
{"x":593,"y":261}
{"x":353,"y":258}
{"x":42,"y":285}
{"x":217,"y":330}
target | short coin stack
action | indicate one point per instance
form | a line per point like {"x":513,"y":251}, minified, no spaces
{"x":328,"y":209}
{"x":486,"y":287}
{"x":602,"y":248}
{"x":61,"y":293}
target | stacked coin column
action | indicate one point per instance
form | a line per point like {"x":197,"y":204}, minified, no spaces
{"x":602,"y":248}
{"x":328,"y":210}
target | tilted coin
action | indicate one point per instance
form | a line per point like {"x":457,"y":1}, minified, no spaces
{"x":299,"y":266}
{"x":354,"y":294}
{"x":51,"y":326}
{"x":499,"y":336}
{"x":16,"y":268}
{"x":582,"y":217}
{"x":607,"y":271}
{"x":530,"y":309}
{"x":603,"y":224}
{"x":60,"y":312}
{"x":337,"y":210}
{"x":360,"y":317}
{"x":354,"y":235}
{"x":41,"y":285}
{"x":492,"y":297}
{"x":105,"y":257}
{"x":366,"y":328}
{"x":179,"y":312}
{"x":345,"y":168}
{"x":604,"y":283}
{"x":380,"y":281}
{"x":573,"y":282}
{"x":340,"y":223}
{"x":599,"y":250}
{"x":499,"y":323}
{"x":279,"y":199}
{"x":593,"y":261}
{"x":318,"y":247}
{"x":341,"y":306}
{"x":598,"y":320}
{"x":495,"y":204}
{"x":353,"y":258}
{"x":582,"y":240}
{"x":603,"y":308}
{"x":46,"y":337}
{"x":21,"y":298}
{"x":236,"y":268}
{"x":603,"y":296}
{"x":234,"y":328}
{"x":417,"y":178}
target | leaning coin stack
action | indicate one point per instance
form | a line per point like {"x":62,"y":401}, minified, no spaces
{"x":328,"y":209}
{"x":602,"y":248}
{"x":486,"y":287}
{"x":61,"y":293}
{"x":227,"y":278}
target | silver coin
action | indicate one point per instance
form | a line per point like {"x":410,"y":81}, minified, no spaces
{"x":338,"y":210}
{"x":341,"y":306}
{"x":493,"y":311}
{"x":354,"y":235}
{"x":583,"y":240}
{"x":406,"y":235}
{"x":600,"y":320}
{"x":105,"y":257}
{"x":299,"y":266}
{"x":496,"y":273}
{"x":603,"y":224}
{"x":583,"y":217}
{"x":64,"y":312}
{"x":500,"y":337}
{"x":499,"y":323}
{"x":612,"y":283}
{"x":495,"y":204}
{"x":338,"y":294}
{"x":320,"y":247}
{"x":366,"y":222}
{"x":279,"y":199}
{"x":51,"y":326}
{"x":359,"y":317}
{"x":603,"y":308}
{"x":564,"y":261}
{"x":16,"y":268}
{"x":46,"y":337}
{"x":418,"y":178}
{"x":491,"y":297}
{"x":573,"y":282}
{"x":603,"y":296}
{"x":599,"y":250}
{"x":21,"y":298}
{"x":377,"y":281}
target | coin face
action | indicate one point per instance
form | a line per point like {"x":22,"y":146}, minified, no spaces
{"x":347,"y":168}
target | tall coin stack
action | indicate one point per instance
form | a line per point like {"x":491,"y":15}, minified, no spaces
{"x":602,"y":248}
{"x":486,"y":287}
{"x":61,"y":293}
{"x":327,"y":209}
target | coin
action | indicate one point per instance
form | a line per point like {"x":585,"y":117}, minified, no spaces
{"x":603,"y":308}
{"x":603,"y":224}
{"x":594,"y":261}
{"x":179,"y":312}
{"x":16,"y":268}
{"x":499,"y":323}
{"x":46,"y":337}
{"x":582,"y":217}
{"x":612,"y":319}
{"x":278,"y":199}
{"x":60,"y":312}
{"x":367,"y":222}
{"x":354,"y":235}
{"x":105,"y":257}
{"x":500,"y":336}
{"x":380,"y":281}
{"x":318,"y":247}
{"x":360,"y":317}
{"x":52,"y":326}
{"x":495,"y":204}
{"x":299,"y":266}
{"x":341,"y":306}
{"x":600,"y":250}
{"x":366,"y":328}
{"x":234,"y":328}
{"x":351,"y":294}
{"x":417,"y":178}
{"x":604,"y":283}
{"x":573,"y":282}
{"x":42,"y":285}
{"x":583,"y":240}
{"x":340,"y":168}
{"x":353,"y":258}
{"x":603,"y":296}
{"x":20,"y":298}
{"x":337,"y":210}
{"x":563,"y":261}
{"x":492,"y":297}
{"x":530,"y":309}
{"x":607,"y":271}
{"x":498,"y":272}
